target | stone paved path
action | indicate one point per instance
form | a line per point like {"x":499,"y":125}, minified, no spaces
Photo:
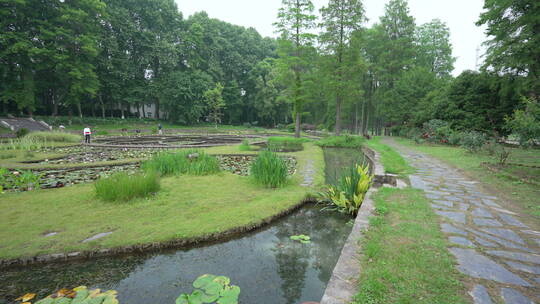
{"x":308,"y":174}
{"x":498,"y":253}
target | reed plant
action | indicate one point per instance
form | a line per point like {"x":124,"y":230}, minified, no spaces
{"x":269,"y":170}
{"x":192,"y":162}
{"x":121,"y":187}
{"x":286,"y":144}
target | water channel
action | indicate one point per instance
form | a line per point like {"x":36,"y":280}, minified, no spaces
{"x":267,"y":265}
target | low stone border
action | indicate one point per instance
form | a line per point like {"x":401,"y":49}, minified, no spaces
{"x":381,"y":177}
{"x":149,"y":247}
{"x":343,"y":284}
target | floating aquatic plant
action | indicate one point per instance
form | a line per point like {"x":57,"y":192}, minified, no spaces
{"x":211,"y":289}
{"x":304,"y":239}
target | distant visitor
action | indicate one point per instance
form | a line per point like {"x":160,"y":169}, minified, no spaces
{"x":87,"y":134}
{"x":160,"y":129}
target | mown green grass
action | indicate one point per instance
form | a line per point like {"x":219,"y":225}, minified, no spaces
{"x":283,"y":143}
{"x":391,"y":160}
{"x":61,"y":137}
{"x":185,"y":207}
{"x":507,"y":188}
{"x":404,"y":254}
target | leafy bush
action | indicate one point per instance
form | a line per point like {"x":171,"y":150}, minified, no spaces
{"x":473,"y":141}
{"x":54,"y":137}
{"x":20,"y":180}
{"x":124,"y":187}
{"x":193,"y":162}
{"x":244,"y":146}
{"x":455,"y":138}
{"x":22,"y":132}
{"x":342,"y":141}
{"x":269,"y":170}
{"x":286,"y":144}
{"x":348,"y":194}
{"x":490,"y":146}
{"x":502,"y":155}
{"x":526,"y":123}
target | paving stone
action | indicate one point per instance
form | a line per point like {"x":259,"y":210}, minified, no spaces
{"x":510,"y":220}
{"x":444,"y":203}
{"x":50,"y":234}
{"x":461,"y":241}
{"x":435,"y":192}
{"x":490,"y":202}
{"x":506,"y":234}
{"x":502,"y":242}
{"x":453,"y":216}
{"x":433,"y":196}
{"x":454,"y":199}
{"x":464,"y":206}
{"x":486,"y":222}
{"x":537,"y":280}
{"x":531,"y":232}
{"x":504,"y":211}
{"x":478,"y":266}
{"x":447,"y":228}
{"x":480,"y":295}
{"x":416,"y":182}
{"x":481,"y":212}
{"x":485,"y":243}
{"x":512,"y":296}
{"x":524,"y":257}
{"x":440,"y":207}
{"x":97,"y":236}
{"x":523,"y":267}
{"x":537,"y":241}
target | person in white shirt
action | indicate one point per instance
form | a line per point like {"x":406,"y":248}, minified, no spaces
{"x":87,"y":134}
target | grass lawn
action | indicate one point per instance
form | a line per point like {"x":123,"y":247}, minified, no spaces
{"x":527,"y":196}
{"x":186,"y":206}
{"x":404,"y":254}
{"x":391,"y":160}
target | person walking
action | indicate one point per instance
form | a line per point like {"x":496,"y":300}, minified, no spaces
{"x":160,"y":129}
{"x":87,"y":134}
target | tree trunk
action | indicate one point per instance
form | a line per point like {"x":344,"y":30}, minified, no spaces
{"x":70,"y":115}
{"x":79,"y":109}
{"x":297,"y":125}
{"x":338,"y":115}
{"x":102,"y":106}
{"x":122,"y":110}
{"x":54,"y":104}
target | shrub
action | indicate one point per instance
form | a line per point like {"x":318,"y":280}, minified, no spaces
{"x":348,"y":194}
{"x":22,"y":132}
{"x":490,"y":146}
{"x":473,"y":141}
{"x":244,"y":146}
{"x":342,"y":141}
{"x":124,"y":187}
{"x":193,"y":162}
{"x":286,"y":144}
{"x":269,"y":170}
{"x":455,"y":138}
{"x":53,"y":137}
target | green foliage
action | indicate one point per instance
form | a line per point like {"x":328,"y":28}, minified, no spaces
{"x":473,"y":141}
{"x":244,"y":146}
{"x":215,"y":103}
{"x":124,"y":187}
{"x":525,"y":123}
{"x":304,"y":239}
{"x":192,"y":162}
{"x":211,"y":289}
{"x":22,"y":132}
{"x":347,"y":196}
{"x":78,"y":295}
{"x":54,"y":137}
{"x":342,"y":141}
{"x":24,"y":180}
{"x":454,"y":138}
{"x":285,"y":144}
{"x":269,"y":170}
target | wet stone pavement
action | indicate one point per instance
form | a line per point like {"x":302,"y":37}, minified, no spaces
{"x":499,"y":254}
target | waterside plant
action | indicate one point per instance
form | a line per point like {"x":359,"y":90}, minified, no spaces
{"x":124,"y":187}
{"x":269,"y":170}
{"x":192,"y":162}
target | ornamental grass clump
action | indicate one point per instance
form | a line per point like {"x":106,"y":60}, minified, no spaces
{"x":269,"y":170}
{"x":348,"y":193}
{"x":124,"y":187}
{"x":192,"y":162}
{"x":54,"y":137}
{"x":342,"y":141}
{"x":244,"y":146}
{"x":286,"y":144}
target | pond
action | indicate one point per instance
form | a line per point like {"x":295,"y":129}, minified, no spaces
{"x":338,"y":159}
{"x":267,"y":265}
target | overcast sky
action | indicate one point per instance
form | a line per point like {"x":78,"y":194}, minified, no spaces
{"x":459,"y":15}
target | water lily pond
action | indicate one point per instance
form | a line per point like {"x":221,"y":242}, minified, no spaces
{"x":267,"y":265}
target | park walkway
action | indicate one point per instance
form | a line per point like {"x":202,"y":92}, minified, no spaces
{"x":497,"y":252}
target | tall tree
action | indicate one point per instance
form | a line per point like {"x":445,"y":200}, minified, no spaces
{"x":515,"y":30}
{"x":295,"y":22}
{"x":434,"y":48}
{"x":215,"y":104}
{"x":340,"y":20}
